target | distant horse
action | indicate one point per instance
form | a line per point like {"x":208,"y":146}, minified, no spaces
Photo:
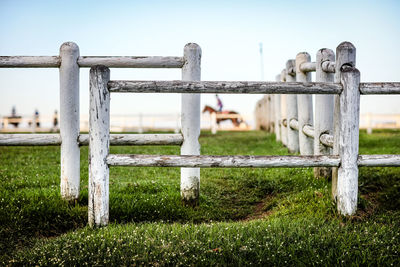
{"x":235,"y":121}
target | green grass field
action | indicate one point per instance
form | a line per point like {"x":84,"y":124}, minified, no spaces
{"x":245,"y":217}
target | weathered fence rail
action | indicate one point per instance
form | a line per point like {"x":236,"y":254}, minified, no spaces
{"x":83,"y":139}
{"x":88,"y":61}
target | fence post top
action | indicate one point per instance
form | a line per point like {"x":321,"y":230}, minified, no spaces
{"x":324,"y":54}
{"x":346,"y":69}
{"x":303,"y":56}
{"x":192,"y":46}
{"x":99,"y":68}
{"x":69,"y":47}
{"x":345,"y":46}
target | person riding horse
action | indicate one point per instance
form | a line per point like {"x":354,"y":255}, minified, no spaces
{"x":219,"y":103}
{"x":235,"y":120}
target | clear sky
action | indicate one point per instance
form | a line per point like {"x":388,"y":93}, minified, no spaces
{"x":229,"y":33}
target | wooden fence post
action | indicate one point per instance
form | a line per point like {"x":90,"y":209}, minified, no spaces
{"x":323,"y":111}
{"x":284,"y":130}
{"x":190,"y":177}
{"x":265,"y":112}
{"x":271,"y":113}
{"x":304,"y":106}
{"x":99,"y":143}
{"x":277,"y":106}
{"x":214,"y":125}
{"x":347,"y":186}
{"x":369,"y":123}
{"x":69,"y":121}
{"x":291,"y":102}
{"x":345,"y":56}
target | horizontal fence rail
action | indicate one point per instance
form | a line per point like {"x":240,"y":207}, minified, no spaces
{"x":132,"y":62}
{"x":388,"y":88}
{"x":327,"y":66}
{"x":30,"y":140}
{"x":30,"y":61}
{"x":308,"y":130}
{"x":83,"y":139}
{"x":308,"y":66}
{"x":379,"y":160}
{"x":89,"y":61}
{"x":223,"y":87}
{"x":205,"y":161}
{"x":327,"y":140}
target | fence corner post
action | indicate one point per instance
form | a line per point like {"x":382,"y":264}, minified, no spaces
{"x":99,"y":145}
{"x":347,"y":185}
{"x":291,"y":110}
{"x":323,"y":123}
{"x":190,"y":120}
{"x":69,"y":121}
{"x":345,"y":56}
{"x":304,"y":106}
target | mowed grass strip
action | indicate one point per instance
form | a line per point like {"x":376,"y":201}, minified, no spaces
{"x":246,"y":216}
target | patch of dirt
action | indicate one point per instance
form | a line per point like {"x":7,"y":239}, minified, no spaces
{"x":371,"y":207}
{"x":260,"y":212}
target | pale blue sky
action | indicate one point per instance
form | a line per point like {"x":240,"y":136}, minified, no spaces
{"x":229,"y":33}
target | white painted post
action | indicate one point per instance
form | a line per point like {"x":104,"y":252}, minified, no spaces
{"x":99,"y":143}
{"x":265,"y":114}
{"x":69,"y":121}
{"x":304,"y":106}
{"x":213,"y":116}
{"x":140,"y":130}
{"x":271,"y":113}
{"x":323,"y":111}
{"x":177,"y":128}
{"x":284,"y":130}
{"x":347,"y":186}
{"x":369,"y":123}
{"x":292,"y":135}
{"x":345,"y":56}
{"x":190,"y":177}
{"x":277,"y":106}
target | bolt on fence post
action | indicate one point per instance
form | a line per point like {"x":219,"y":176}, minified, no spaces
{"x":69,"y":121}
{"x":291,"y":102}
{"x":304,"y":106}
{"x":99,"y":145}
{"x":347,"y":185}
{"x":284,"y":130}
{"x":277,"y":106}
{"x":190,"y":177}
{"x":345,"y":55}
{"x":323,"y":111}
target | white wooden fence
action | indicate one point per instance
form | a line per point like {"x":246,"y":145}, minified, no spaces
{"x":334,"y":130}
{"x":331,"y":142}
{"x":69,"y":62}
{"x":296,"y":87}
